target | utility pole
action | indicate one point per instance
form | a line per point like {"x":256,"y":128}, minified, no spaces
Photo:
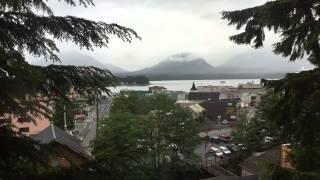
{"x":215,"y":160}
{"x":205,"y":154}
{"x":65,"y":118}
{"x":97,"y":110}
{"x":219,"y":122}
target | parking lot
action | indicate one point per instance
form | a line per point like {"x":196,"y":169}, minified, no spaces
{"x":219,"y":149}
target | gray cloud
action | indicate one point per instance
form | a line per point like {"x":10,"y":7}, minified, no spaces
{"x":167,"y":27}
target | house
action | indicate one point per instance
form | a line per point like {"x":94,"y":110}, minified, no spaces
{"x":157,"y":89}
{"x":197,"y":111}
{"x":193,"y":88}
{"x":251,"y":166}
{"x":138,"y":92}
{"x":203,"y":96}
{"x":250,"y":85}
{"x":211,"y":88}
{"x":251,"y":98}
{"x":233,"y":178}
{"x":186,"y":103}
{"x":176,"y":95}
{"x":226,"y":109}
{"x":284,"y":156}
{"x":27,"y":127}
{"x":68,"y":148}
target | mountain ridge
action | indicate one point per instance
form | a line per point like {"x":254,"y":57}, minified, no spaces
{"x":185,"y":64}
{"x":194,"y":66}
{"x":78,"y":59}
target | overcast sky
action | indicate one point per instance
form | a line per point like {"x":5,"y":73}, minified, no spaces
{"x":167,"y":27}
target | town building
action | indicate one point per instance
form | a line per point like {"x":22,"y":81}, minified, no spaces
{"x":250,"y":85}
{"x":233,"y":178}
{"x":138,"y":92}
{"x":211,"y":88}
{"x":24,"y":125}
{"x":226,"y":109}
{"x":193,"y":88}
{"x":203,"y":96}
{"x":68,"y":150}
{"x":277,"y":155}
{"x":251,"y":165}
{"x":186,"y":103}
{"x":251,"y":98}
{"x":197,"y":111}
{"x":176,"y":95}
{"x":157,"y":89}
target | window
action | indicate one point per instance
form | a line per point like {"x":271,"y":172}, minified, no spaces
{"x":23,"y":119}
{"x":24,"y":130}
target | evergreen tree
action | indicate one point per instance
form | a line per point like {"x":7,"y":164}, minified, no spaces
{"x":296,"y":113}
{"x":68,"y":107}
{"x":30,"y":27}
{"x":24,"y":31}
{"x":144,"y":144}
{"x":252,"y":131}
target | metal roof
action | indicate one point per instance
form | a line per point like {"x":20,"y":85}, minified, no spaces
{"x":55,"y":134}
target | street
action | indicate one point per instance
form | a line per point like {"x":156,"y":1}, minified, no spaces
{"x":88,"y":133}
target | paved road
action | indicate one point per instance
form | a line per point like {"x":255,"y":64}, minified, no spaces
{"x":202,"y":149}
{"x":89,"y":132}
{"x":226,"y":131}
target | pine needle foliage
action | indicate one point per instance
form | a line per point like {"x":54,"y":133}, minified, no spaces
{"x":26,"y":88}
{"x":296,"y":21}
{"x":296,"y":112}
{"x":30,"y":27}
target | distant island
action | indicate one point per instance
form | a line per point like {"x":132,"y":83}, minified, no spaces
{"x":134,"y":80}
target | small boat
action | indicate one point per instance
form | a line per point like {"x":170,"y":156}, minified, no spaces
{"x":222,"y":82}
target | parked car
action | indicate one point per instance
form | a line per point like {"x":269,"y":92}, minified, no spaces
{"x":225,"y":150}
{"x":268,"y":139}
{"x":225,"y":122}
{"x":79,"y":116}
{"x":242,"y":146}
{"x":225,"y":138}
{"x":217,"y":152}
{"x":233,"y":148}
{"x":215,"y":140}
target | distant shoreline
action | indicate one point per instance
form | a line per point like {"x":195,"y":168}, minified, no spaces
{"x":215,"y":77}
{"x":133,"y":84}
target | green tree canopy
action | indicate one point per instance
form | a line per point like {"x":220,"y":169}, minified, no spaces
{"x":296,"y":113}
{"x":30,"y":27}
{"x":25,"y":31}
{"x":296,"y":21}
{"x":252,"y":131}
{"x":140,"y":143}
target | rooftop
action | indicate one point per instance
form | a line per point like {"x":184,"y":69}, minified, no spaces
{"x":55,"y":134}
{"x":203,"y":95}
{"x":252,"y":163}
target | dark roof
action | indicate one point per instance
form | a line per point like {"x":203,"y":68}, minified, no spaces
{"x":254,"y":177}
{"x":220,"y":108}
{"x":55,"y":134}
{"x":203,"y":96}
{"x":193,"y":88}
{"x":252,"y":163}
{"x":157,"y":87}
